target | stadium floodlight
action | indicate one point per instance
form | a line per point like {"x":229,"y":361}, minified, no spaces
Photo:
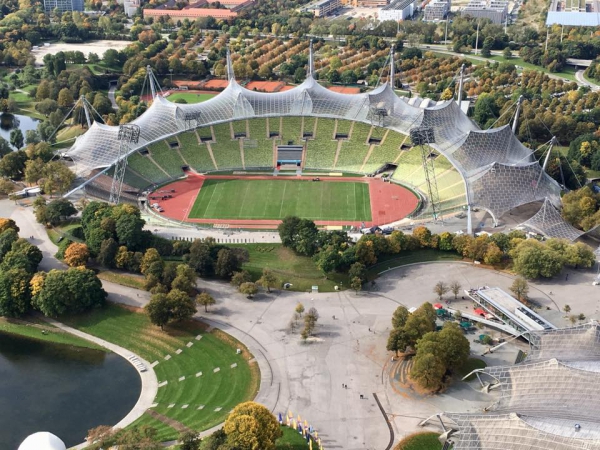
{"x":422,"y":137}
{"x":128,"y":134}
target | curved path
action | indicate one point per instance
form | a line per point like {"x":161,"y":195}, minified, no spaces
{"x":349,"y":347}
{"x":149,"y":381}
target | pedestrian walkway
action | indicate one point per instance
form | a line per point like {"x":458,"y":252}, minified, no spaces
{"x":149,"y":381}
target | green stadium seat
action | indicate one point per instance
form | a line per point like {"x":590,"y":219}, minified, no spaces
{"x":194,"y":153}
{"x":226,"y":150}
{"x":320,"y":153}
{"x":167,"y":157}
{"x":353,"y":150}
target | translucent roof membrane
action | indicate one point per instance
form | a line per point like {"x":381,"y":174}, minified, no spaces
{"x":549,"y":222}
{"x":500,"y":172}
{"x":566,"y":344}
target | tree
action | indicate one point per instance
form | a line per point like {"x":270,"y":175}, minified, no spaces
{"x":152,"y":263}
{"x":240,"y":277}
{"x":249,"y":289}
{"x":423,"y":235}
{"x":299,"y":234}
{"x":400,"y":317}
{"x":158,"y":310}
{"x":506,"y":53}
{"x":226,"y":263}
{"x":70,"y":291}
{"x":398,"y":341}
{"x":65,"y":98}
{"x":7,"y":237}
{"x":310,"y":320}
{"x":13,"y":165}
{"x":108,"y":252}
{"x":200,"y":258}
{"x":455,"y":288}
{"x":8,"y":224}
{"x":251,"y":426}
{"x":185,"y":280}
{"x":15,"y":295}
{"x":268,"y":279}
{"x":57,"y":177}
{"x":356,"y":284}
{"x":428,"y":371}
{"x":181,"y":306}
{"x":358,"y":270}
{"x":34,"y":170}
{"x":77,"y":255}
{"x":190,"y":440}
{"x":532,"y":259}
{"x":205,"y":300}
{"x":520,"y":288}
{"x":22,"y":255}
{"x":420,"y":322}
{"x":299,"y":309}
{"x":16,"y":138}
{"x":567,"y":309}
{"x":6,"y":186}
{"x":440,"y":289}
{"x":59,"y":209}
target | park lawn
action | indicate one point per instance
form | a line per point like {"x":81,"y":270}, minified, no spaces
{"x":122,"y":278}
{"x":470,"y":366}
{"x":420,"y":441}
{"x":190,"y":97}
{"x":275,"y":199}
{"x":69,"y":133}
{"x":410,"y":257}
{"x":291,"y":440}
{"x":204,"y":394}
{"x":300,"y":271}
{"x":568,"y":72}
{"x":43,"y":332}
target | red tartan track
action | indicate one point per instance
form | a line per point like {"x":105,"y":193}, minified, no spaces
{"x":389,"y":202}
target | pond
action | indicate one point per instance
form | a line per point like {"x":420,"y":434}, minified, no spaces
{"x":9,"y":122}
{"x":62,"y":389}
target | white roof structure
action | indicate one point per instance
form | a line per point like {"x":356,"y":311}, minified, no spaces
{"x":499,"y":172}
{"x":549,"y":222}
{"x":42,"y":441}
{"x":547,"y":402}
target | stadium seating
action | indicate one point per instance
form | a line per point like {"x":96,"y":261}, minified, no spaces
{"x":320,"y":153}
{"x":239,"y":128}
{"x":309,"y":127}
{"x":144,"y":165}
{"x":194,"y":153}
{"x":167,"y":158}
{"x":291,"y":130}
{"x":354,"y":150}
{"x":343,"y":127}
{"x":386,"y":152}
{"x":274,"y":126}
{"x":258,"y":148}
{"x":408,"y":163}
{"x":226,"y":150}
{"x":204,"y":133}
{"x":134,"y":180}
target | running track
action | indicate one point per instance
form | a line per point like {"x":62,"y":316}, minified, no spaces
{"x":389,"y":202}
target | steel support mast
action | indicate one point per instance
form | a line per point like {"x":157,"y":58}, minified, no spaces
{"x":423,"y":136}
{"x":128,"y":134}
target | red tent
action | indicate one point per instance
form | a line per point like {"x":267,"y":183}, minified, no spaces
{"x":437,"y":306}
{"x":479,"y":312}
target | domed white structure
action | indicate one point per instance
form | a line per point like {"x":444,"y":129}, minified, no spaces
{"x":42,"y":441}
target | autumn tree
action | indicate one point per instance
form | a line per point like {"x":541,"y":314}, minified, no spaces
{"x":240,"y":277}
{"x":205,"y":300}
{"x":440,"y":289}
{"x":268,"y":279}
{"x":249,"y":289}
{"x":251,"y":426}
{"x":520,"y":288}
{"x":455,"y":288}
{"x":77,"y":255}
{"x":15,"y":295}
{"x":356,"y":284}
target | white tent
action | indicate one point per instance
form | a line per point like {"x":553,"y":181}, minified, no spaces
{"x":42,"y":441}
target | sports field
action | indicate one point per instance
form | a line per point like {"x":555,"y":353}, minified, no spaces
{"x":190,"y":97}
{"x":275,"y":199}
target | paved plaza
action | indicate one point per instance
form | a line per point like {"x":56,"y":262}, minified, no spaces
{"x":349,"y":345}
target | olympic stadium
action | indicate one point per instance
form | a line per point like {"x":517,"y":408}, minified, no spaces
{"x":548,"y":400}
{"x":310,"y":130}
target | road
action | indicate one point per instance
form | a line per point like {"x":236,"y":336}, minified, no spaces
{"x":582,"y":81}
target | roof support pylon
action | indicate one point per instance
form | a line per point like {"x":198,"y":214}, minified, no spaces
{"x":392,"y":67}
{"x":517,"y":112}
{"x":460,"y":84}
{"x":311,"y":60}
{"x":230,"y":73}
{"x":152,"y":82}
{"x":86,"y":111}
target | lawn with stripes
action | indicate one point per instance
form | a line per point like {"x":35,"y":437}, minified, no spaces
{"x":275,"y":199}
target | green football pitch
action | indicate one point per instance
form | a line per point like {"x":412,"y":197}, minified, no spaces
{"x":276,"y":199}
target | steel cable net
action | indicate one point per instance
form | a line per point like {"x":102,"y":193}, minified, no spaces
{"x":521,"y":432}
{"x":494,"y":187}
{"x":546,"y":389}
{"x":566,"y":344}
{"x":549,"y":222}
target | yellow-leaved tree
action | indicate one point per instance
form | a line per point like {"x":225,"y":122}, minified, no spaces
{"x":77,"y":254}
{"x":251,"y":426}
